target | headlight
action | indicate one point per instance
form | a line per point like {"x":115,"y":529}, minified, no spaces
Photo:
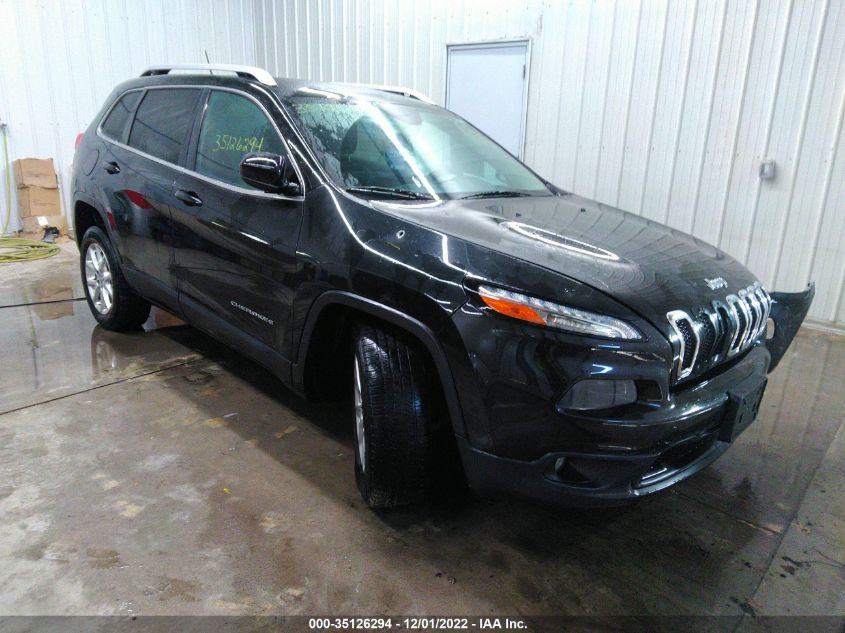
{"x":533,"y":310}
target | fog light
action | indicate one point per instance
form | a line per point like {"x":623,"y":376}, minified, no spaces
{"x":586,"y":395}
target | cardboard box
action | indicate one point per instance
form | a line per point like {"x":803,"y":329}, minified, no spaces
{"x":34,"y":201}
{"x":35,"y":225}
{"x":35,"y":172}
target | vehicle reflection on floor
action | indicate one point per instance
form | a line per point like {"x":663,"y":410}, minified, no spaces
{"x":54,"y":349}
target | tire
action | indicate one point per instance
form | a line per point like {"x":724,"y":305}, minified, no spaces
{"x":397,"y":415}
{"x":114,"y":305}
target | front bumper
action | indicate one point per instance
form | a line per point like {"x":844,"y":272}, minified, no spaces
{"x":635,"y":457}
{"x":510,"y":377}
{"x":622,"y":480}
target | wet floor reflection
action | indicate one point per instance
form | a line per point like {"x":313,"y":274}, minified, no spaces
{"x":54,"y":349}
{"x":764,"y":474}
{"x":54,"y":279}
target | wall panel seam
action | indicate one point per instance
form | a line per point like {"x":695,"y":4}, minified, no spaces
{"x":748,"y":56}
{"x":805,"y":112}
{"x":628,"y":104}
{"x":706,"y":129}
{"x":655,"y":101}
{"x":769,"y":126}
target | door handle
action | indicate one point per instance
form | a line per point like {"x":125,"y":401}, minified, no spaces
{"x":112,"y":167}
{"x":188,"y":198}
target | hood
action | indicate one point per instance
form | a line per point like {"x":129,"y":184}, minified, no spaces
{"x":647,"y":266}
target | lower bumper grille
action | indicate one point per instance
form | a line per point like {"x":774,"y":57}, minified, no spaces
{"x":677,"y":459}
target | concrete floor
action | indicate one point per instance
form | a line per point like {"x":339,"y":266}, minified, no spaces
{"x":160,"y":473}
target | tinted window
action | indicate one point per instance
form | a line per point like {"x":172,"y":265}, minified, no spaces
{"x":163,"y":122}
{"x":115,"y":122}
{"x":233,"y":126}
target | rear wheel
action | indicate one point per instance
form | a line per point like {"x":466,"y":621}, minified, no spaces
{"x":397,"y":414}
{"x":110,"y":299}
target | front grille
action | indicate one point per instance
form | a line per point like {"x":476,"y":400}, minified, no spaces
{"x":722,"y":316}
{"x":721,"y":331}
{"x":707,"y":330}
{"x":688,"y":332}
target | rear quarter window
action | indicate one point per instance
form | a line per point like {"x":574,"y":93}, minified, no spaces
{"x":163,"y":122}
{"x":114,"y":125}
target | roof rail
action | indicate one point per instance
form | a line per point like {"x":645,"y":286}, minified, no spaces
{"x":249,"y":72}
{"x":399,"y":90}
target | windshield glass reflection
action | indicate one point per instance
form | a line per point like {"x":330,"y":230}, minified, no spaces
{"x":405,"y":149}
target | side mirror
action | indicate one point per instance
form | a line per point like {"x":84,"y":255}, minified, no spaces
{"x":270,"y":173}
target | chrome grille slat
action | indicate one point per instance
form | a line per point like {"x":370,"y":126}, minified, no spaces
{"x":726,"y":329}
{"x":683,"y":327}
{"x":759,"y":294}
{"x":745,"y":311}
{"x":737,"y":326}
{"x":766,"y":304}
{"x":750,"y":299}
{"x":722,"y":318}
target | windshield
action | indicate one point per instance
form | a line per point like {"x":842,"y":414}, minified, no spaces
{"x":404,"y":149}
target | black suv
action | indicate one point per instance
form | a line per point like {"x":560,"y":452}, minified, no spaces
{"x":361,"y":240}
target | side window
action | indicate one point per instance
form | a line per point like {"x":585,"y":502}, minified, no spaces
{"x":233,"y":126}
{"x":115,"y":123}
{"x":163,"y":122}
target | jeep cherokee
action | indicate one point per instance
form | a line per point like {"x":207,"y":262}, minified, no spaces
{"x":360,"y":240}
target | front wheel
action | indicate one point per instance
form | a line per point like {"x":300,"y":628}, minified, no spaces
{"x":111,"y":300}
{"x":396,"y":416}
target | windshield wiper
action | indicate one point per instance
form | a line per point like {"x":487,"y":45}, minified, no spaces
{"x":406,"y":194}
{"x":496,"y":194}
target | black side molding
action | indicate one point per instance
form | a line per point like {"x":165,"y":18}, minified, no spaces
{"x":788,"y":312}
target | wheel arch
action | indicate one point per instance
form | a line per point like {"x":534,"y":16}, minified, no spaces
{"x":334,"y":311}
{"x":87,"y":213}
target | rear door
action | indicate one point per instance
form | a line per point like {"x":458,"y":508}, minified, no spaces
{"x":138,"y":170}
{"x":235,"y":245}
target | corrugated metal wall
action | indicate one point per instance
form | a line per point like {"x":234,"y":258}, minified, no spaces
{"x":662,"y":108}
{"x":59,"y":60}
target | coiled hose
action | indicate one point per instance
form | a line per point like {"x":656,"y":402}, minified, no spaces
{"x":16,"y":249}
{"x":13,"y":249}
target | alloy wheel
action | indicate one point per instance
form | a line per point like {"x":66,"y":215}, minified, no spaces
{"x":98,"y":278}
{"x":359,"y":418}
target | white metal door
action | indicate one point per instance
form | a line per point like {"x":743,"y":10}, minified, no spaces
{"x":487,"y":84}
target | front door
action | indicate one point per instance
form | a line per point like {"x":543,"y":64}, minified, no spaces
{"x":235,"y":245}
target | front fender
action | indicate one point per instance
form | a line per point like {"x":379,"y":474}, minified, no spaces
{"x":429,"y":338}
{"x":788,"y":312}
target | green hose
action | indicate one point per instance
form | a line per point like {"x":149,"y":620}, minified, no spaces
{"x":16,"y":249}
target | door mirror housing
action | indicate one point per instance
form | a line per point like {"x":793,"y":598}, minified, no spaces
{"x":270,"y":172}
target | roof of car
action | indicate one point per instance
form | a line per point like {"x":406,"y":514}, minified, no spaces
{"x":227,"y":74}
{"x":302,"y":87}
